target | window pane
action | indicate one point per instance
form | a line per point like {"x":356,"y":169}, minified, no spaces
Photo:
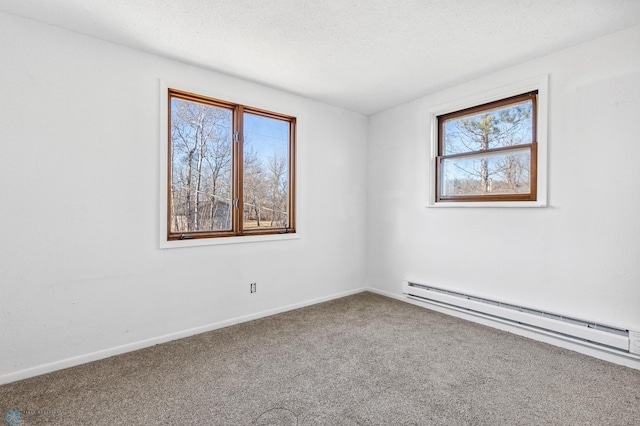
{"x":201,"y":169}
{"x":505,"y":172}
{"x":266,"y":172}
{"x":504,"y":126}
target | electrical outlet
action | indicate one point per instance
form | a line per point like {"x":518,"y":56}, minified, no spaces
{"x":252,"y":288}
{"x":634,"y":342}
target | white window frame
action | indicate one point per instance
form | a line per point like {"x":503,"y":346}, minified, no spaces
{"x":539,"y":83}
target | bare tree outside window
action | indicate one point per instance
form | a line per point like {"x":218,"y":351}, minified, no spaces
{"x":488,"y":152}
{"x":230,"y":170}
{"x":266,"y":142}
{"x":201,"y":167}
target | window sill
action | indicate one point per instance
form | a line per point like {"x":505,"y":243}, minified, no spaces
{"x":509,"y":204}
{"x":539,"y":83}
{"x":227,"y":240}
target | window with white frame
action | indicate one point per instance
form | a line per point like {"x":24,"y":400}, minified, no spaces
{"x":491,"y":152}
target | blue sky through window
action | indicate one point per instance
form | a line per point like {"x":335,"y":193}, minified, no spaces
{"x":266,"y":136}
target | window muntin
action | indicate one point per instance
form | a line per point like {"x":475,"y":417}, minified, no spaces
{"x":488,"y":152}
{"x":230,"y":168}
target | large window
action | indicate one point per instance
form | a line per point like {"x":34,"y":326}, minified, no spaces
{"x":231,"y":169}
{"x":488,"y":152}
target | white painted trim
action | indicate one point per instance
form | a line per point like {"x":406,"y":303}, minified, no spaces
{"x":227,"y":240}
{"x":631,"y":361}
{"x":118,"y":350}
{"x":585,"y":348}
{"x":539,"y":83}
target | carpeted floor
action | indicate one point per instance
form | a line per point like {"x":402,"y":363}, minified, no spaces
{"x":360,"y":360}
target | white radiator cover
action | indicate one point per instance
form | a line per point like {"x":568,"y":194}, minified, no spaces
{"x":606,"y":336}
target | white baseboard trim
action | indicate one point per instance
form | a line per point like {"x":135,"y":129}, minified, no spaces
{"x":630,"y":361}
{"x":585,"y":348}
{"x":129,"y":347}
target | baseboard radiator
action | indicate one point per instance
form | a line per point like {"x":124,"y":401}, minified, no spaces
{"x":612,"y":338}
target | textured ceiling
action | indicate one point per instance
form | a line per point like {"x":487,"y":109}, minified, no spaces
{"x":363,"y":55}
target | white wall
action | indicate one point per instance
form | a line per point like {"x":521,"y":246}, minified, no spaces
{"x":80,"y":267}
{"x":81,"y":274}
{"x":581,"y":255}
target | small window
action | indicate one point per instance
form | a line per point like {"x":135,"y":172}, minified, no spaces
{"x":231,"y":169}
{"x":488,"y":152}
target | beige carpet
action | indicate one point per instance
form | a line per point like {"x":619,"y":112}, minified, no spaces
{"x":360,"y":360}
